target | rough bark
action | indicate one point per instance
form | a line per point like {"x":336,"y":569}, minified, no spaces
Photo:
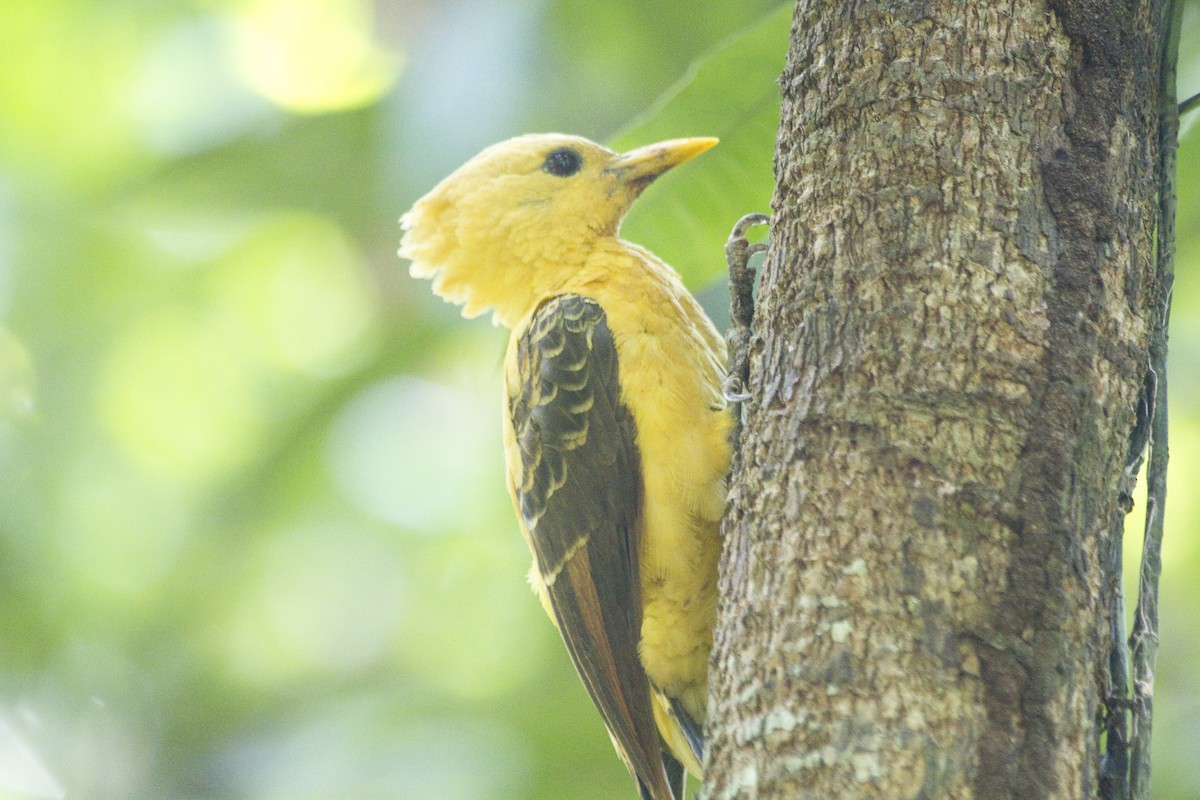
{"x":951,"y":337}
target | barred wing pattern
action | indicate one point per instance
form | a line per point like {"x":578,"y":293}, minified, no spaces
{"x":579,"y":497}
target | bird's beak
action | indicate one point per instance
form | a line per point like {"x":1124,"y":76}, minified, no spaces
{"x":638,"y":168}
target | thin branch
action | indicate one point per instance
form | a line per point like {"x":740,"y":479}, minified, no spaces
{"x":1190,"y":104}
{"x":1114,"y":773}
{"x":1144,"y":639}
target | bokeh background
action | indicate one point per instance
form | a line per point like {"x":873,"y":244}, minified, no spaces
{"x":254,"y":540}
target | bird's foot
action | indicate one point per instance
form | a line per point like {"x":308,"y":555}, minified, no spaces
{"x":738,"y":252}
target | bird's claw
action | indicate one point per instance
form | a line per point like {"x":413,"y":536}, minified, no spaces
{"x":746,"y":223}
{"x":733,"y":390}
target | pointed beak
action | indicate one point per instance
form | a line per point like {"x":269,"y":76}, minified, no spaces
{"x":638,"y":168}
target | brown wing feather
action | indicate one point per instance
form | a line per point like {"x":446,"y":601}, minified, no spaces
{"x":579,"y":495}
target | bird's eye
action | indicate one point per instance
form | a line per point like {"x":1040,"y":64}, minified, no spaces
{"x":562,"y":162}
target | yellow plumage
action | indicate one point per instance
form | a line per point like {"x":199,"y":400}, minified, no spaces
{"x":528,"y":229}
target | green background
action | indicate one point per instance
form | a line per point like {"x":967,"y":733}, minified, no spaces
{"x":254,"y":538}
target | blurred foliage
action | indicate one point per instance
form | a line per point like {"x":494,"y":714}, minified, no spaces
{"x":254,"y":540}
{"x":726,"y":95}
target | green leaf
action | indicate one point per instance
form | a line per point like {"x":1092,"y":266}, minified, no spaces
{"x":731,"y":93}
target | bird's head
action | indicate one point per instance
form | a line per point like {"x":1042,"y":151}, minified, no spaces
{"x":512,"y":220}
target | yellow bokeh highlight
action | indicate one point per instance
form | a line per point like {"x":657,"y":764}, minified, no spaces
{"x":299,"y":293}
{"x":185,"y":389}
{"x":63,"y":67}
{"x":313,"y":56}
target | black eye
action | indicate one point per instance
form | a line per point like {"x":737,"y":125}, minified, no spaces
{"x":562,"y":162}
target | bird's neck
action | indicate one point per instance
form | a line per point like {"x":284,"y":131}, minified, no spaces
{"x":511,"y":278}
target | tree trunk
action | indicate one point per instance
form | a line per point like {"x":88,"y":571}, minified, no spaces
{"x":950,"y":341}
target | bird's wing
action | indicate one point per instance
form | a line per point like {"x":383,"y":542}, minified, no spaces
{"x":578,"y":488}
